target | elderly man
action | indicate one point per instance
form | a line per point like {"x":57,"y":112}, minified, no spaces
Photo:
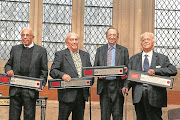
{"x":26,"y":59}
{"x":148,"y":99}
{"x":109,"y":88}
{"x":68,"y":64}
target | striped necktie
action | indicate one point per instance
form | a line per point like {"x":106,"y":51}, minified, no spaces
{"x":109,"y":55}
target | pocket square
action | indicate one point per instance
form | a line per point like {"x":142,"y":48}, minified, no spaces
{"x":158,"y":66}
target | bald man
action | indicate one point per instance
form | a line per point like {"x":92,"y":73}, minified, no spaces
{"x":68,"y":64}
{"x":26,"y":59}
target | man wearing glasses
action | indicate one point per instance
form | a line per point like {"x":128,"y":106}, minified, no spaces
{"x":109,"y":88}
{"x":149,"y":99}
{"x":26,"y":59}
{"x":68,"y":64}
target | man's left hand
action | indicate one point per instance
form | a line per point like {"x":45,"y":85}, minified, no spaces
{"x":40,"y":90}
{"x":151,"y":72}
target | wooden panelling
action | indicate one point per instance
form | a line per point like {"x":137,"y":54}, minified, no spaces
{"x":173,"y":97}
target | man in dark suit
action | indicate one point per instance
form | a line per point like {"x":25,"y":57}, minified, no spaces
{"x":109,"y":88}
{"x":68,"y":64}
{"x":26,"y":59}
{"x":148,"y":99}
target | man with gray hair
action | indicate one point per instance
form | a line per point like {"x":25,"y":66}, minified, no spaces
{"x":109,"y":88}
{"x":148,"y":99}
{"x":26,"y":59}
{"x":68,"y":64}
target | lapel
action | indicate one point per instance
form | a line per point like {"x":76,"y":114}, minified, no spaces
{"x":105,"y":54}
{"x":154,"y":60}
{"x":118,"y":54}
{"x":83,"y":60}
{"x":70,"y":60}
{"x":139,"y":62}
{"x":18,"y":56}
{"x":34,"y":55}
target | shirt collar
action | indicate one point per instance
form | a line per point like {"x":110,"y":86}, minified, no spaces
{"x":74,"y":52}
{"x":149,"y":53}
{"x":30,"y":46}
{"x":114,"y":46}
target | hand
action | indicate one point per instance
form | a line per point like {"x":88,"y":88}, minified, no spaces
{"x":101,"y":77}
{"x":10,"y":73}
{"x":40,"y":90}
{"x":124,"y":91}
{"x":126,"y":69}
{"x":66,"y":78}
{"x":124,"y":77}
{"x":151,"y":72}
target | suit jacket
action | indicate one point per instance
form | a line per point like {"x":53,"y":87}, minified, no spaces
{"x":157,"y":96}
{"x":38,"y":67}
{"x":121,"y":58}
{"x":63,"y":64}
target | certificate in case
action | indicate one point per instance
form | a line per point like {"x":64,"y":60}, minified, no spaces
{"x":21,"y":81}
{"x":103,"y":71}
{"x":143,"y":77}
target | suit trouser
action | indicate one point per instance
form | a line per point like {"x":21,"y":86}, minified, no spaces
{"x":77,"y":108}
{"x":111,"y":101}
{"x":144,"y":111}
{"x":22,"y":98}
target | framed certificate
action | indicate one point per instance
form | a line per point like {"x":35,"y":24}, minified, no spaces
{"x":143,"y":77}
{"x":103,"y":71}
{"x":74,"y":83}
{"x":21,"y":81}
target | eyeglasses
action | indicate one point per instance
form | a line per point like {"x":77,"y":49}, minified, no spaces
{"x":143,"y":40}
{"x":27,"y":35}
{"x":73,"y":39}
{"x":112,"y":35}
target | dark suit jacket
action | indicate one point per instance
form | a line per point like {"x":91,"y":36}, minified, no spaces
{"x":38,"y":67}
{"x":157,"y":96}
{"x":63,"y":64}
{"x":121,"y":58}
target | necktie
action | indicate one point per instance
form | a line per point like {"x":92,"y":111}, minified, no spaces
{"x":78,"y":63}
{"x":109,"y":55}
{"x":146,"y":63}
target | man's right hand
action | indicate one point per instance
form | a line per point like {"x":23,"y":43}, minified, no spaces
{"x":10,"y":73}
{"x":66,"y":78}
{"x":124,"y":91}
{"x":101,"y":77}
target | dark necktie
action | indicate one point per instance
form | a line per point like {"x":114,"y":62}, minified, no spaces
{"x":146,"y":63}
{"x":109,"y":55}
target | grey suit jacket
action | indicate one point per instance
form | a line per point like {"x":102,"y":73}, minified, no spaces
{"x":157,"y":96}
{"x":63,"y":64}
{"x":122,"y":58}
{"x":38,"y":67}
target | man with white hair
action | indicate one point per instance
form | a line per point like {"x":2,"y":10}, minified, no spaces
{"x":148,"y":99}
{"x":68,"y":64}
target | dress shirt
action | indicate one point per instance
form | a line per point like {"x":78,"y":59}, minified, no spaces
{"x":150,"y":54}
{"x":77,"y":62}
{"x":30,"y":46}
{"x":112,"y":59}
{"x":113,"y":54}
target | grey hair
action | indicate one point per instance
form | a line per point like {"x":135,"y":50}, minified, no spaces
{"x":28,"y":29}
{"x":66,"y":39}
{"x":113,"y":29}
{"x":148,"y":33}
